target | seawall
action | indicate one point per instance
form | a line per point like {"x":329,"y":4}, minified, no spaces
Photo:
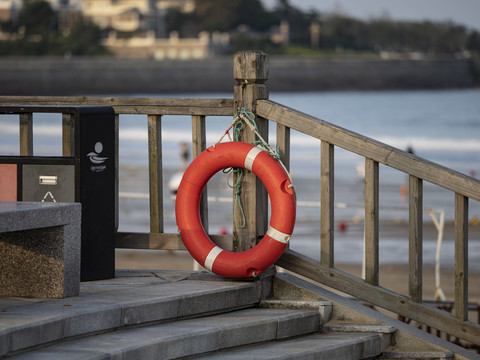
{"x":109,"y":76}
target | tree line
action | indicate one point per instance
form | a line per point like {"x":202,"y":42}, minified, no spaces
{"x":37,"y":32}
{"x":251,"y":26}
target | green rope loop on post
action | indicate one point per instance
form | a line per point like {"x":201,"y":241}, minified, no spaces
{"x":237,"y":186}
{"x":246,"y":115}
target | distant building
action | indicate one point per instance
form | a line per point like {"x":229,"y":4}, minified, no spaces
{"x":282,"y":35}
{"x":126,"y":15}
{"x":9,"y":10}
{"x":186,"y":6}
{"x":136,"y":28}
{"x":172,"y":48}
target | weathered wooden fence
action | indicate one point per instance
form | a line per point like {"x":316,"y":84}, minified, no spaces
{"x":251,"y":93}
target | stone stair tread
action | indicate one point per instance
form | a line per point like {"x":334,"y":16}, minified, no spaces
{"x":186,"y":337}
{"x":109,"y":304}
{"x":417,"y":355}
{"x":317,"y":346}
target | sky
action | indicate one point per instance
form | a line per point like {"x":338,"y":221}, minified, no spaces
{"x":463,"y":12}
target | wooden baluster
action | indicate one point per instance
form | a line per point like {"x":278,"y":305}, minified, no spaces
{"x":371,"y":221}
{"x":327,"y":208}
{"x":461,"y":257}
{"x":117,"y":169}
{"x":155,"y":172}
{"x":68,"y":135}
{"x":415,"y":238}
{"x":26,"y":134}
{"x":250,"y":69}
{"x":283,"y":143}
{"x":198,"y":145}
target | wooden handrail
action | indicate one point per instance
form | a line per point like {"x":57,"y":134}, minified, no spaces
{"x":380,"y":296}
{"x":144,"y":106}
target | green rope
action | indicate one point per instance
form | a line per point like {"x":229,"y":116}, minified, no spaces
{"x":237,"y":186}
{"x":248,"y":115}
{"x":239,"y":125}
{"x":237,"y":128}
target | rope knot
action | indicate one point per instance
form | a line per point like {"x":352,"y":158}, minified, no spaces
{"x":244,"y":117}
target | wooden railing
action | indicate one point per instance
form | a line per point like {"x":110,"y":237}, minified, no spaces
{"x":251,"y":72}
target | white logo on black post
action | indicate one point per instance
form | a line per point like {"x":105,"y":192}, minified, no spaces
{"x":96,"y":159}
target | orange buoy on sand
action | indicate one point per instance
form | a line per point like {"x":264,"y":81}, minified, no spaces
{"x":282,"y":197}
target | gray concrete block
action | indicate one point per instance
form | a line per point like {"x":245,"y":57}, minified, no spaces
{"x":101,"y":318}
{"x":204,"y":340}
{"x":311,"y":347}
{"x":265,"y":325}
{"x":27,"y":336}
{"x":39,"y":249}
{"x":237,"y":333}
{"x":239,"y":295}
{"x":418,"y":355}
{"x":324,"y":308}
{"x":149,"y":310}
{"x":298,"y":323}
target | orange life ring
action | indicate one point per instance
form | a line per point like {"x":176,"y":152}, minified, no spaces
{"x":282,"y":197}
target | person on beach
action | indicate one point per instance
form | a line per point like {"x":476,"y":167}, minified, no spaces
{"x":184,"y":156}
{"x":174,"y":181}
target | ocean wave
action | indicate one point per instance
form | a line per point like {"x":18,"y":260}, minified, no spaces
{"x":431,"y":144}
{"x":304,"y":141}
{"x":418,"y":143}
{"x":298,"y":140}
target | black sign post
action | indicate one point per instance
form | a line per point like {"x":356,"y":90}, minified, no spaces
{"x":89,"y":177}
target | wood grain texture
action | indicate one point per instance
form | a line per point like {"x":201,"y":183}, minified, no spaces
{"x":153,"y":106}
{"x":461,"y":257}
{"x":327,"y":210}
{"x":155,"y":170}
{"x":372,"y":186}
{"x":415,"y":230}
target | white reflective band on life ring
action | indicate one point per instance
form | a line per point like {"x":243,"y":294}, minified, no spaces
{"x":278,"y":235}
{"x":210,"y":259}
{"x":252,"y":154}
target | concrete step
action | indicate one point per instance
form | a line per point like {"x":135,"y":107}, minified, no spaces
{"x":185,"y":338}
{"x":130,"y":299}
{"x":417,"y":355}
{"x":320,"y":346}
{"x":335,"y":341}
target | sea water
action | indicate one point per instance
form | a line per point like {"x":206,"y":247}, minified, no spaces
{"x":442,"y":126}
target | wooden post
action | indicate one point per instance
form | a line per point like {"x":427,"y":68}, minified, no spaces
{"x":155,"y":172}
{"x":372,"y":185}
{"x":327,"y":209}
{"x":199,"y":143}
{"x":68,"y":135}
{"x":415,"y":238}
{"x":461,"y":257}
{"x":250,"y":69}
{"x":26,"y":134}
